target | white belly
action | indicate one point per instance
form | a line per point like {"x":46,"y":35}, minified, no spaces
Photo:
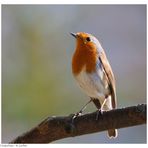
{"x":92,"y":84}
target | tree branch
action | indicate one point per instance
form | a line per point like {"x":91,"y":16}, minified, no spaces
{"x":54,"y":128}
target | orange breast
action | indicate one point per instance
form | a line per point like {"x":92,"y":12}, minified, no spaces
{"x":84,"y":57}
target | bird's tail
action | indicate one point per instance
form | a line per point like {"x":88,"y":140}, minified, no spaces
{"x":112,"y":133}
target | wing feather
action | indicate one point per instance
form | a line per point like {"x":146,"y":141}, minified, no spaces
{"x":111,"y":80}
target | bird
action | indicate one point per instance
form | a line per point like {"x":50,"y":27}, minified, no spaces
{"x":93,"y":73}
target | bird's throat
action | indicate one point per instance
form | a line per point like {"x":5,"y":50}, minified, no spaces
{"x":84,"y":58}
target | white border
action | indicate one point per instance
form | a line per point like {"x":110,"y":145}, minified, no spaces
{"x":73,"y":2}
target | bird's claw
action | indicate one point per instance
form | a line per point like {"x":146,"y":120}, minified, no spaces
{"x":99,"y":113}
{"x":76,"y":115}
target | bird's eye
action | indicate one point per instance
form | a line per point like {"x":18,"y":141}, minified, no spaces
{"x":88,"y":39}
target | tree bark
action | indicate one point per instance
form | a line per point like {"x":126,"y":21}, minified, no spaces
{"x":54,"y":128}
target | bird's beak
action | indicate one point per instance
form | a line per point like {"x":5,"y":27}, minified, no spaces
{"x":73,"y":34}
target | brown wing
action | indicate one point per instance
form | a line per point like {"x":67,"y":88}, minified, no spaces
{"x":110,"y":76}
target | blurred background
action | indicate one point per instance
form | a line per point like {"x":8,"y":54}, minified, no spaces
{"x":36,"y":64}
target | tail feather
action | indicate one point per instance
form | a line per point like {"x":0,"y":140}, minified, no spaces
{"x":112,"y":133}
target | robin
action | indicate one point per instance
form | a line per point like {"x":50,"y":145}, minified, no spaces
{"x":92,"y":71}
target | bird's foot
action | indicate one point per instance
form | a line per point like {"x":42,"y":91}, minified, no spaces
{"x":99,"y":113}
{"x":76,"y":115}
{"x":81,"y":111}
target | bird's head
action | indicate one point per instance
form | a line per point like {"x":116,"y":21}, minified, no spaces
{"x":87,"y":41}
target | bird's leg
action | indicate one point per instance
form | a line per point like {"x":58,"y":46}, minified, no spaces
{"x":100,"y":111}
{"x":82,"y":109}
